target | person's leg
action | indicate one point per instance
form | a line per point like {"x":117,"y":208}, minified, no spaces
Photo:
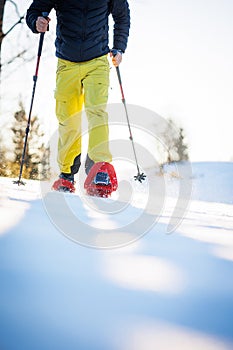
{"x":96,"y":85}
{"x":69,"y":102}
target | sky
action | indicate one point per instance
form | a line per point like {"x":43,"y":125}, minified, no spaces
{"x":178,"y":64}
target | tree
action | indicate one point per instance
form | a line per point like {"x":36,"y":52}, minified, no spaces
{"x":3,"y":160}
{"x":181,"y":146}
{"x":175,"y":147}
{"x":36,"y":164}
{"x":2,"y":6}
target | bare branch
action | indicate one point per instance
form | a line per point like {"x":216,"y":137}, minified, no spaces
{"x":9,"y":30}
{"x":20,"y":54}
{"x":15,"y":6}
{"x":3,"y":35}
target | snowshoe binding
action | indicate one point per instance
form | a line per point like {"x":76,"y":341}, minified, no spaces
{"x":101,"y":180}
{"x":65,"y":183}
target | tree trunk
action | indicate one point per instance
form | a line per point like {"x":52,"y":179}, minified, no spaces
{"x":2,"y":5}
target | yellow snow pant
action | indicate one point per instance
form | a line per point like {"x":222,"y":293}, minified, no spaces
{"x":77,"y":84}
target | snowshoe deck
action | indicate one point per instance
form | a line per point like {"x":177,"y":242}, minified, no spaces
{"x":101,"y":180}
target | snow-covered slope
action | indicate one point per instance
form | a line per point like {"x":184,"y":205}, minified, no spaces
{"x":211,"y":181}
{"x":152,"y":290}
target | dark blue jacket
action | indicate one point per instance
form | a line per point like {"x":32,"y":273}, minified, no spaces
{"x":82,"y":26}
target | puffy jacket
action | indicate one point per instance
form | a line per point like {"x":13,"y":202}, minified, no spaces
{"x":82,"y":26}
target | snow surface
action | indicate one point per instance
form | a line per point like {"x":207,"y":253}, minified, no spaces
{"x":133,"y":290}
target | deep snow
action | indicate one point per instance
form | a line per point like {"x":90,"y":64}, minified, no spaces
{"x":152,"y":291}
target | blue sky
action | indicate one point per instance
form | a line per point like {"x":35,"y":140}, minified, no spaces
{"x":178,"y":64}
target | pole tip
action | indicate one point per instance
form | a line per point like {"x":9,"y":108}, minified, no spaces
{"x":140,"y":177}
{"x":19,"y":182}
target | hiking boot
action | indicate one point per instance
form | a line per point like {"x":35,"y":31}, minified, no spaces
{"x":88,"y":164}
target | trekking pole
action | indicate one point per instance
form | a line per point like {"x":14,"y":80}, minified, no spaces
{"x":19,"y":181}
{"x":140,"y":176}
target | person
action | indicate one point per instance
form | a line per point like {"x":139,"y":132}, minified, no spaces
{"x":82,"y":78}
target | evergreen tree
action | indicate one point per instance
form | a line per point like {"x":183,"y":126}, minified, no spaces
{"x":3,"y":160}
{"x":36,"y":164}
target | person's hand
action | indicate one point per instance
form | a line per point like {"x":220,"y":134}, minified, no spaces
{"x":42,"y":24}
{"x":116,"y":60}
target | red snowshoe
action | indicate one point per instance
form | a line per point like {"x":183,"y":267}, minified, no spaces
{"x":63,"y":185}
{"x":101,"y":180}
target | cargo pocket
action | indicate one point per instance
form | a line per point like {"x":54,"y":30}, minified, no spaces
{"x":66,"y":106}
{"x":62,"y":106}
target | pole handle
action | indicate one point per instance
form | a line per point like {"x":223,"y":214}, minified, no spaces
{"x":119,"y":76}
{"x":45,"y":15}
{"x":40,"y":44}
{"x":114,"y":52}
